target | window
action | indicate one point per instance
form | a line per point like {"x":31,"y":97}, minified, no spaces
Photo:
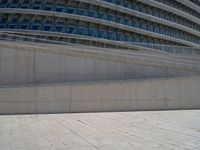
{"x":71,"y":10}
{"x":111,"y":17}
{"x":82,"y":30}
{"x":92,"y":32}
{"x":92,"y":13}
{"x":71,"y":29}
{"x":102,"y":33}
{"x":111,"y":35}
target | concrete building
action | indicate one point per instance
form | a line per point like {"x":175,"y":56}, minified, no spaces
{"x":136,"y":22}
{"x":140,"y":55}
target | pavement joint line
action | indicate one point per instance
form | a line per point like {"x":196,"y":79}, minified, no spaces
{"x":143,"y":130}
{"x":76,"y":133}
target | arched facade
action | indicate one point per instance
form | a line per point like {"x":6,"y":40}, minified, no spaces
{"x":166,"y":22}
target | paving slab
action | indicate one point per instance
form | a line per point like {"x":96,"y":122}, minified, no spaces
{"x":141,"y":130}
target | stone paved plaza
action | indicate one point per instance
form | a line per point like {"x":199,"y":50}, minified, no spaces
{"x":150,"y":130}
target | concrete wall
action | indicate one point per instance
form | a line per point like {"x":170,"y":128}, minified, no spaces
{"x":30,"y":65}
{"x":154,"y":94}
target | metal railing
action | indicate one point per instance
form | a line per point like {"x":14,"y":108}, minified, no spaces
{"x":153,"y":48}
{"x":174,"y":49}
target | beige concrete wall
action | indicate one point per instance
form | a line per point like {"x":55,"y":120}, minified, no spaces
{"x":153,"y":94}
{"x":33,"y":64}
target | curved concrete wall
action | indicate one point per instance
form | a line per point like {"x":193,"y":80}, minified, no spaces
{"x":158,"y":94}
{"x":28,"y":64}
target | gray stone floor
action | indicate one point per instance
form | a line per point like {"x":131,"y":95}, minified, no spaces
{"x":103,"y":131}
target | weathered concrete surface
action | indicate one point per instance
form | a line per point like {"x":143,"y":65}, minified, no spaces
{"x":32,"y":63}
{"x":152,"y":94}
{"x":160,"y":130}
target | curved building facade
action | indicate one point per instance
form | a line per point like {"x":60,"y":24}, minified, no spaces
{"x":143,"y":22}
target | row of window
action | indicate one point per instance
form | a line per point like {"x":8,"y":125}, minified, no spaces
{"x":158,"y":13}
{"x":129,"y":21}
{"x":81,"y":28}
{"x":197,"y":2}
{"x":98,"y":12}
{"x":180,"y":6}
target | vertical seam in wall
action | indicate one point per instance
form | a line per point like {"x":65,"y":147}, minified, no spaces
{"x":1,"y":60}
{"x":164,"y":94}
{"x":190,"y":93}
{"x":70,"y":97}
{"x":129,"y":95}
{"x":121,"y":95}
{"x":101,"y":96}
{"x":156,"y":94}
{"x":167,"y":71}
{"x":179,"y":93}
{"x":66,"y":67}
{"x":35,"y":95}
{"x":136,"y":97}
{"x":17,"y":51}
{"x":152,"y":95}
{"x":28,"y":55}
{"x":34,"y":61}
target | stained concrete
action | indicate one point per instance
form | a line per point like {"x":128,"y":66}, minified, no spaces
{"x":149,"y":94}
{"x":34,"y":63}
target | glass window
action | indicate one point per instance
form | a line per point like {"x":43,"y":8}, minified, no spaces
{"x":71,"y":29}
{"x":48,"y":28}
{"x":120,"y":36}
{"x":35,"y":27}
{"x":128,"y":38}
{"x":119,"y":2}
{"x":60,"y":26}
{"x":48,"y":6}
{"x":92,"y":13}
{"x":92,"y":32}
{"x":102,"y":15}
{"x":102,"y":33}
{"x":59,"y":8}
{"x":71,"y":10}
{"x":127,"y":21}
{"x":127,"y":4}
{"x":111,"y":35}
{"x":82,"y":30}
{"x":120,"y":19}
{"x":25,"y":4}
{"x":82,"y":11}
{"x":111,"y":17}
